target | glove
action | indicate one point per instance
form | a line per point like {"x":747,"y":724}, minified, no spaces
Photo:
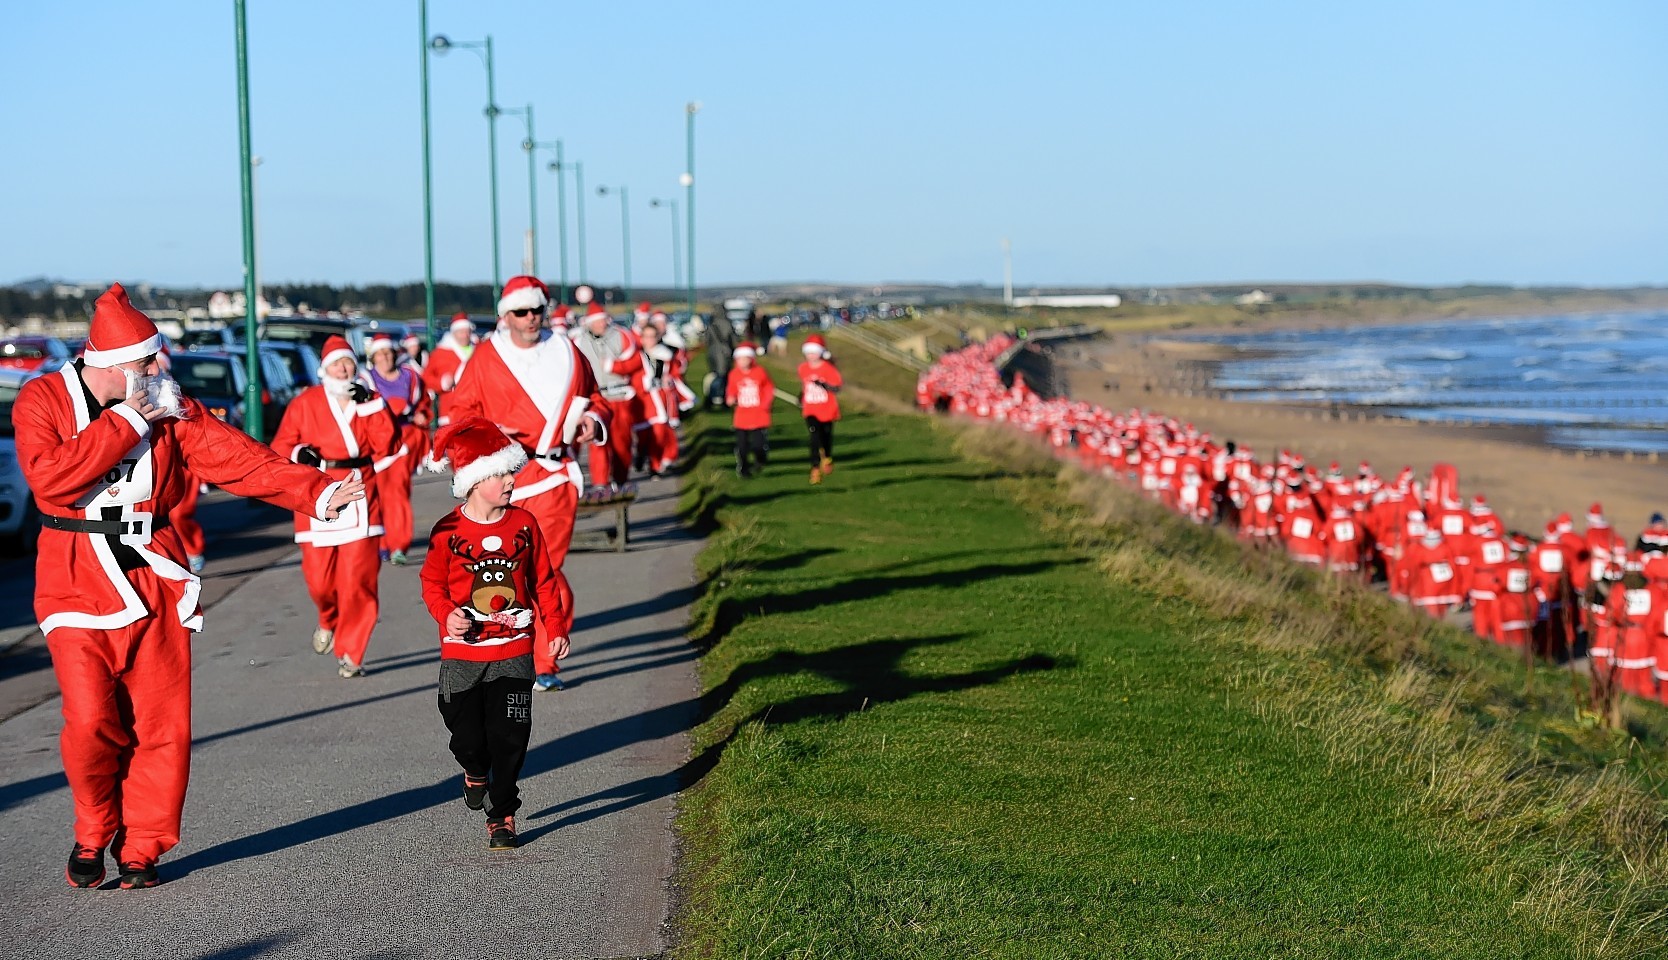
{"x":308,"y":457}
{"x":359,"y":393}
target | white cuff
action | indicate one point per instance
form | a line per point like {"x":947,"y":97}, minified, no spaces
{"x":139,"y":424}
{"x":602,"y":428}
{"x":324,"y":499}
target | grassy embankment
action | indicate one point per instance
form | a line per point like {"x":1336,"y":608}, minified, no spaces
{"x":961,"y":702}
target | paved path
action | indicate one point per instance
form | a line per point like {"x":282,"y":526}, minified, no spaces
{"x":325,"y":818}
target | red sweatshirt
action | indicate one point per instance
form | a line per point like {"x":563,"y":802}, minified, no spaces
{"x":815,"y":401}
{"x":750,"y":392}
{"x":500,"y":574}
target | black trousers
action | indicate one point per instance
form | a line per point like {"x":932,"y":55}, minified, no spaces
{"x":751,"y":444}
{"x":490,"y":724}
{"x":822,"y":439}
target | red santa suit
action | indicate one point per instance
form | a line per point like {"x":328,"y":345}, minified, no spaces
{"x":339,"y":558}
{"x":1549,"y":568}
{"x":657,"y":384}
{"x":1343,"y":541}
{"x":408,"y":402}
{"x":538,"y":397}
{"x":118,"y":607}
{"x":1300,"y":529}
{"x":1641,"y":612}
{"x":1518,"y":605}
{"x":1435,"y":583}
{"x":447,"y":362}
{"x":615,"y":358}
{"x":1488,"y":557}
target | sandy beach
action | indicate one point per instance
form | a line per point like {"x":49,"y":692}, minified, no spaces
{"x":1526,"y":481}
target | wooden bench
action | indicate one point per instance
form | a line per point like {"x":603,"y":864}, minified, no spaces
{"x":605,"y":539}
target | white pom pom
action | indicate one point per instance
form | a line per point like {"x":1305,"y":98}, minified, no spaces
{"x":491,"y":543}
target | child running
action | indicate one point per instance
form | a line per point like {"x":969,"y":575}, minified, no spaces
{"x":819,"y":381}
{"x":750,"y":393}
{"x":486,"y":577}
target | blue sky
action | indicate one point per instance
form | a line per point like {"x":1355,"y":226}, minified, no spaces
{"x":1113,"y":143}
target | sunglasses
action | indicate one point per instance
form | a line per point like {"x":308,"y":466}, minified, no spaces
{"x":526,"y":311}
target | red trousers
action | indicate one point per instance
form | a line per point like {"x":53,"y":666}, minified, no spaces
{"x":126,"y":742}
{"x":1485,"y":616}
{"x":611,"y":462}
{"x":554,"y":509}
{"x":183,"y":518}
{"x":657,"y":444}
{"x":393,"y":492}
{"x":342,"y":582}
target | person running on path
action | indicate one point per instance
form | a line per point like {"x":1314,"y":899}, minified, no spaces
{"x":401,"y":388}
{"x":539,"y":390}
{"x":341,"y":427}
{"x":447,"y":361}
{"x":108,"y":447}
{"x":819,"y":382}
{"x":486,"y":580}
{"x":750,"y":393}
{"x":615,"y":360}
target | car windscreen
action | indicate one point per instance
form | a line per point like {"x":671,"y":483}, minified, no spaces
{"x":8,"y":395}
{"x":200,"y":377}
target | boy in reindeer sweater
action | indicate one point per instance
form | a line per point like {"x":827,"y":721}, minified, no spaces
{"x":486,"y":579}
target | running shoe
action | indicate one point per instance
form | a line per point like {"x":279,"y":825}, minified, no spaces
{"x":501,"y":834}
{"x":548,"y":681}
{"x":196,"y":562}
{"x":324,"y":641}
{"x":138,"y":874}
{"x":474,"y":792}
{"x":399,"y":558}
{"x":86,"y":867}
{"x":347,"y":669}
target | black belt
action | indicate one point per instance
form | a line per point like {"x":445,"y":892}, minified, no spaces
{"x":110,"y":528}
{"x":553,"y":456}
{"x":352,"y":463}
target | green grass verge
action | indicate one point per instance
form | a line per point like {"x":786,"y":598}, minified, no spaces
{"x":957,"y":705}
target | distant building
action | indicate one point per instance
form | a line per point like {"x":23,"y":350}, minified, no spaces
{"x":1255,"y":296}
{"x":1071,"y":300}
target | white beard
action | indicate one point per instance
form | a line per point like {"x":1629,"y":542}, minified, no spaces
{"x":162,"y":390}
{"x":336,"y":386}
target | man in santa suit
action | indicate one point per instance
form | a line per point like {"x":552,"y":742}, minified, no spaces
{"x":413,"y":354}
{"x":342,"y":428}
{"x":1640,"y":613}
{"x":1517,"y":601}
{"x":108,"y":447}
{"x":658,"y":384}
{"x":615,"y":359}
{"x":1343,"y":541}
{"x":1488,"y":558}
{"x":539,"y":389}
{"x":1435,"y":584}
{"x":401,"y":388}
{"x":447,"y":361}
{"x":1300,"y":528}
{"x":1550,"y":563}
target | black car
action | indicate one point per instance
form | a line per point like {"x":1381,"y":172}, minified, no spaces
{"x":216,"y":379}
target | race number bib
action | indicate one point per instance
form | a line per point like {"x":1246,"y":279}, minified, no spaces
{"x":1494,"y":552}
{"x":1302,"y":528}
{"x":130,"y":480}
{"x":1441,"y":572}
{"x":1638,"y":603}
{"x":814,"y":393}
{"x":1167,"y":466}
{"x":747,"y":395}
{"x":1517,"y":580}
{"x":1343,"y":531}
{"x":1552,"y":561}
{"x":1453,"y":525}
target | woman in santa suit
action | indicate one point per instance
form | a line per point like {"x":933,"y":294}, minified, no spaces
{"x":343,"y":429}
{"x":401,"y":389}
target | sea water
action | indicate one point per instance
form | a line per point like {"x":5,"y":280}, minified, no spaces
{"x":1593,"y":381}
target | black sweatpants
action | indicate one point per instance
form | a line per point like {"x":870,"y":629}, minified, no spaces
{"x":751,"y":444}
{"x":822,"y":439}
{"x":490,"y":725}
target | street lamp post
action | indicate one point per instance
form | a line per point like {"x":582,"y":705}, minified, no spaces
{"x":441,"y":44}
{"x":579,"y":192}
{"x":529,"y":144}
{"x":688,"y":181}
{"x":252,"y":419}
{"x":677,"y":260}
{"x":428,"y":180}
{"x":561,"y":211}
{"x":625,"y":233}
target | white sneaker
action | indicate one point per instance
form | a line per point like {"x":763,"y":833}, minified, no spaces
{"x":347,"y":669}
{"x":324,"y":641}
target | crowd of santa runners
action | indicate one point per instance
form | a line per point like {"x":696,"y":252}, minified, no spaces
{"x":1563,"y":591}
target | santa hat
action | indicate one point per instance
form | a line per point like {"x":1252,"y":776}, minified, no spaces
{"x":1478,"y":504}
{"x":412,"y":340}
{"x":381,"y":341}
{"x":119,"y":332}
{"x":523,"y":293}
{"x":814,"y":346}
{"x":645,"y":308}
{"x":475,"y":449}
{"x":594,"y":310}
{"x":460,"y":321}
{"x":745,"y":349}
{"x":335,"y":349}
{"x":559,"y":314}
{"x":1433,"y":537}
{"x":1595,"y":516}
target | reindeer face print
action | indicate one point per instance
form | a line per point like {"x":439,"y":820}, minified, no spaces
{"x":493,"y":594}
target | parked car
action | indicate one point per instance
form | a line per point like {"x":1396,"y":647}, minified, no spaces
{"x":215,"y":378}
{"x":301,"y":359}
{"x":19,"y":523}
{"x":276,"y":376}
{"x":31,"y":353}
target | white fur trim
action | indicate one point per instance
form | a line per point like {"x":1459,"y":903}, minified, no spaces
{"x":136,"y":351}
{"x":139,"y":424}
{"x":333,"y":356}
{"x":463,"y":325}
{"x":507,"y":460}
{"x":523,"y":299}
{"x":744,"y":352}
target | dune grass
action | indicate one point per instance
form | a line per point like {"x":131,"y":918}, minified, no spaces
{"x":959,"y":703}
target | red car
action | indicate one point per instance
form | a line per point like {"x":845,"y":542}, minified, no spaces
{"x":31,"y":353}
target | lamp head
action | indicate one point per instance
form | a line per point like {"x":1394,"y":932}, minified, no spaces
{"x":527,"y":145}
{"x":686,"y":179}
{"x":492,"y":110}
{"x":440,"y":44}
